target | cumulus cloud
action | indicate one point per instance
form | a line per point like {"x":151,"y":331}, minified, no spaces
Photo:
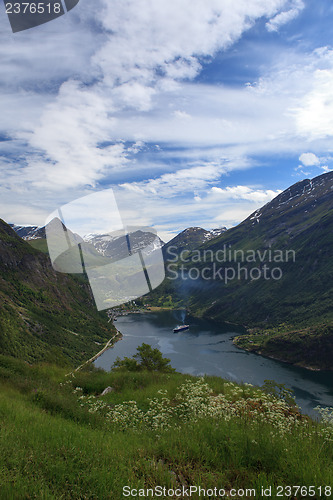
{"x":315,"y":114}
{"x":141,"y":50}
{"x":120,"y":76}
{"x":312,"y":160}
{"x":67,"y":140}
{"x":309,"y":159}
{"x":154,"y":42}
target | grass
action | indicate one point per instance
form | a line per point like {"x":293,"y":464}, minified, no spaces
{"x":59,"y":440}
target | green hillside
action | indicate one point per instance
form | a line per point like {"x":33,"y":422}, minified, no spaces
{"x":293,"y":237}
{"x":60,"y":439}
{"x":45,"y":315}
{"x":296,"y":228}
{"x":310,"y":347}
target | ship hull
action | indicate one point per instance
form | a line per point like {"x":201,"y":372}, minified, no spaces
{"x":181,"y":328}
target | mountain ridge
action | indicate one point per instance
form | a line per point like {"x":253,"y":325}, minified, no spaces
{"x":304,"y":224}
{"x":189,"y":239}
{"x":300,"y":219}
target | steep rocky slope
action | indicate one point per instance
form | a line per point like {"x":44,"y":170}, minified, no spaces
{"x":44,"y":315}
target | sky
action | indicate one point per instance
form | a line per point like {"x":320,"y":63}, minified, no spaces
{"x":194,"y":113}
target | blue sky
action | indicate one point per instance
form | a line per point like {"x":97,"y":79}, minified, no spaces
{"x":196,"y":114}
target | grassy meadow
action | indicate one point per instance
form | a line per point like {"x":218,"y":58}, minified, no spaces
{"x":61,"y":440}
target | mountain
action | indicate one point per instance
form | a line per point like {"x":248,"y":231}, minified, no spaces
{"x":272,"y":272}
{"x":190,"y":239}
{"x":111,"y":245}
{"x":116,"y":246}
{"x":29,"y":232}
{"x":293,"y":211}
{"x":45,"y":315}
{"x":294,"y":233}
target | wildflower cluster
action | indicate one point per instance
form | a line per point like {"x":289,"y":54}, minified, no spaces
{"x":326,"y":427}
{"x":195,"y":400}
{"x":192,"y":400}
{"x":128,"y":415}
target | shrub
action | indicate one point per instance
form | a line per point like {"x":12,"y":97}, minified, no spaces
{"x":146,"y":358}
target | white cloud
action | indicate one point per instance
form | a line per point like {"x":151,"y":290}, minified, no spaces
{"x":309,"y":159}
{"x":286,"y":16}
{"x":169,"y":36}
{"x":71,"y":114}
{"x":312,"y":160}
{"x":135,"y":95}
{"x":65,"y":143}
{"x":22,"y":214}
{"x":245,"y":193}
{"x":300,"y":171}
{"x":315,"y":114}
{"x":143,"y":50}
{"x":42,"y":58}
{"x":182,"y":181}
{"x":168,"y":201}
{"x":181,"y":114}
{"x":232,"y":215}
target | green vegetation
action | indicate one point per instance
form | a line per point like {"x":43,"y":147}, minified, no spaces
{"x":40,"y":244}
{"x":310,"y":347}
{"x":282,"y":311}
{"x":60,"y":439}
{"x":146,"y":358}
{"x":45,"y":315}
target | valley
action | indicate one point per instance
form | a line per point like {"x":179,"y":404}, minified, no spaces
{"x":243,"y":415}
{"x":273,"y":273}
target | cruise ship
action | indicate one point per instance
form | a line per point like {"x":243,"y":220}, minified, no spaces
{"x":181,"y":328}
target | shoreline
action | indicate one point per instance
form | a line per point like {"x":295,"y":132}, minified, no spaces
{"x":110,"y":343}
{"x":143,"y":311}
{"x":161,"y":308}
{"x":118,"y":336}
{"x":253,"y":351}
{"x":274,"y":358}
{"x":264,"y":355}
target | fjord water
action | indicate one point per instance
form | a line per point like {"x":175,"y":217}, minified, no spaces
{"x":207,"y":348}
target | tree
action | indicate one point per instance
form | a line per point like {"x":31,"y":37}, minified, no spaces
{"x":146,"y":358}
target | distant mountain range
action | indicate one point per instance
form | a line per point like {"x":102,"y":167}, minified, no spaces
{"x":115,"y":245}
{"x":29,"y":232}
